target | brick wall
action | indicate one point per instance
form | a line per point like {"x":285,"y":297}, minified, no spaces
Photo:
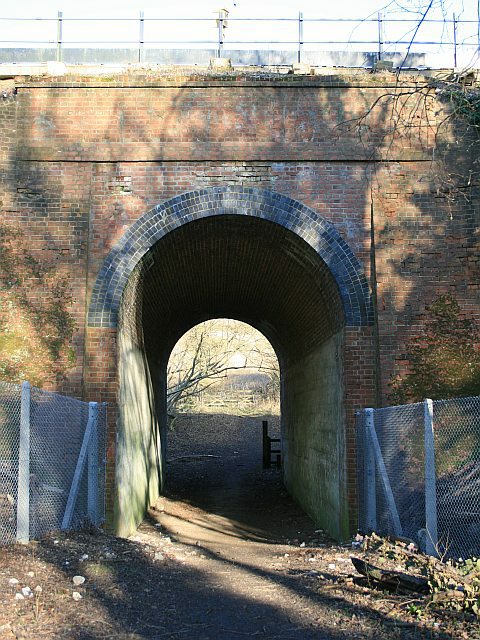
{"x":83,"y":158}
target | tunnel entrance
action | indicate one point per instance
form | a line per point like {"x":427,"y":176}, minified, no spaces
{"x":223,"y":386}
{"x":252,"y":256}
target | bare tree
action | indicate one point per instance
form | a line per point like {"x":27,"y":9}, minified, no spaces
{"x":441,"y":110}
{"x":210,"y":350}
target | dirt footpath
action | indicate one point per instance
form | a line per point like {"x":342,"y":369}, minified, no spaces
{"x":225,"y":555}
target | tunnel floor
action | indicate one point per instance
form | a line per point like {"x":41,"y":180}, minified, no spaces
{"x":216,"y":485}
{"x":231,"y":524}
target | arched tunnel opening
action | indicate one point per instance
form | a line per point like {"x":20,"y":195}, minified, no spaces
{"x":257,"y":271}
{"x":223,"y":392}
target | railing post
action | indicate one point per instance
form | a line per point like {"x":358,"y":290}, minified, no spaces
{"x":381,"y":37}
{"x":454,"y":41}
{"x":369,"y":476}
{"x":300,"y":36}
{"x":222,"y":25}
{"x":141,"y":39}
{"x":23,"y":489}
{"x":92,"y":476}
{"x":220,"y":37}
{"x":478,"y":26}
{"x":430,"y":483}
{"x":59,"y":36}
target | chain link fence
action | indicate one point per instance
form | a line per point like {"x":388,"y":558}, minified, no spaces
{"x":52,"y":462}
{"x":419,"y":474}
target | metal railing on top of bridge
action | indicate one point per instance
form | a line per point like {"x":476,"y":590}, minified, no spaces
{"x":379,"y":36}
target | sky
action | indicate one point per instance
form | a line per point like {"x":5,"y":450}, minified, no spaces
{"x":286,"y":31}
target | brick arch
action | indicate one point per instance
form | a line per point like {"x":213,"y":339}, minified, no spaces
{"x":292,"y":215}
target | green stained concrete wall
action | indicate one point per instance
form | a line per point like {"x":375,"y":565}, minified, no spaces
{"x":314,"y":436}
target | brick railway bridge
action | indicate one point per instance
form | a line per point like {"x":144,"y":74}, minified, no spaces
{"x":307,"y":206}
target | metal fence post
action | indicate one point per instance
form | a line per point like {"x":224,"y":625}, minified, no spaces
{"x":221,"y":28}
{"x":369,"y":473}
{"x":381,"y":37}
{"x":382,"y":472}
{"x":454,"y":41}
{"x":478,"y":26}
{"x":92,"y":477}
{"x":141,"y":39}
{"x":77,"y":476}
{"x":300,"y":36}
{"x":59,"y":36}
{"x":430,"y":483}
{"x":23,"y":490}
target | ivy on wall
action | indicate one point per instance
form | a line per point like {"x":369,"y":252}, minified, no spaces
{"x":466,"y":103}
{"x":444,"y":357}
{"x":36,"y":326}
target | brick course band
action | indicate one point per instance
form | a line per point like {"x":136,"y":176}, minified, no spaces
{"x":232,"y":200}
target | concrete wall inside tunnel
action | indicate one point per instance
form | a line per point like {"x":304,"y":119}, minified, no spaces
{"x":255,"y":269}
{"x":139,"y":460}
{"x":313,"y":439}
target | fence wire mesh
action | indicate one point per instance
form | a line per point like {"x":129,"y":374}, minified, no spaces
{"x":10,"y":404}
{"x":55,"y":428}
{"x":457,"y":461}
{"x":400,"y":432}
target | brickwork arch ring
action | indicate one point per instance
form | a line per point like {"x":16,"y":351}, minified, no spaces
{"x":292,"y":215}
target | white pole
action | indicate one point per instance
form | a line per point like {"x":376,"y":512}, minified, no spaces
{"x":381,"y":36}
{"x":382,"y":472}
{"x":92,"y":478}
{"x":300,"y":36}
{"x":77,"y":476}
{"x":370,"y":485}
{"x":23,"y":489}
{"x":59,"y":36}
{"x":430,"y":483}
{"x":141,"y":38}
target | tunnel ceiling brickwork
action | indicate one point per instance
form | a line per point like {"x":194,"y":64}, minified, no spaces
{"x":238,"y":267}
{"x":330,"y":259}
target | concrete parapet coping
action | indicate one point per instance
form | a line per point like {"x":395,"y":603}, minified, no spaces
{"x":60,"y":75}
{"x":111,"y":65}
